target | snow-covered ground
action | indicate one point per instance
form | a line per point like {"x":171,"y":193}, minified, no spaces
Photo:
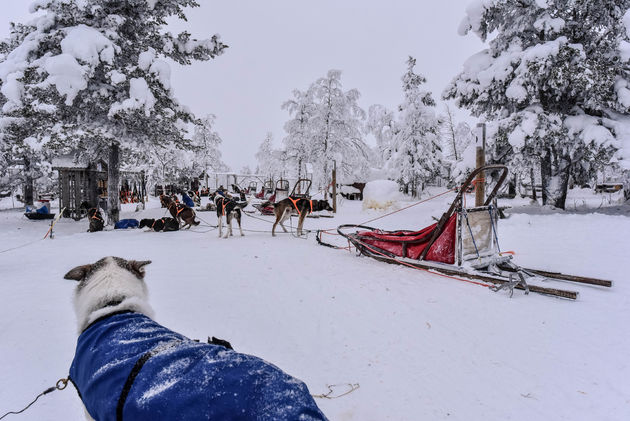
{"x":421,"y":347}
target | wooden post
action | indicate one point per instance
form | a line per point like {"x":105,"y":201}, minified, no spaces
{"x":480,"y":190}
{"x":334,"y":186}
{"x":28,"y":182}
{"x":113,"y":184}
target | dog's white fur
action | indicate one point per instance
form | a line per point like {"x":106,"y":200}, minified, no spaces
{"x":110,"y":282}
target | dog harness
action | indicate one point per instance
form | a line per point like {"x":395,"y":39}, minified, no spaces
{"x":129,"y":367}
{"x":224,"y":202}
{"x":296,"y":206}
{"x":96,"y":215}
{"x":178,"y":208}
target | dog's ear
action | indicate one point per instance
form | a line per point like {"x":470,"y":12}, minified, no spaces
{"x":78,"y":273}
{"x":137,"y":267}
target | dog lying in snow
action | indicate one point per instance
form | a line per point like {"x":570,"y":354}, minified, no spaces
{"x":127,"y":366}
{"x":162,"y":224}
{"x":303,"y":207}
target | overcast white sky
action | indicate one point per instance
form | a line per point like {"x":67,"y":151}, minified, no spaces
{"x":280,"y":45}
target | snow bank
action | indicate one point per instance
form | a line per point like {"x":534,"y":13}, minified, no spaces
{"x":381,"y":194}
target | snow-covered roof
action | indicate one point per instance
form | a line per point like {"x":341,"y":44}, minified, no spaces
{"x":68,"y":161}
{"x":348,"y":190}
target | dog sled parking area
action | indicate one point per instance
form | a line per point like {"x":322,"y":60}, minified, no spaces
{"x":420,"y":346}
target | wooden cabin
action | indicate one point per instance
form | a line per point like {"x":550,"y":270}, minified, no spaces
{"x":86,"y":183}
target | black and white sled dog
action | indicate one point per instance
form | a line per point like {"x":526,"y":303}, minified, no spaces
{"x":162,"y":224}
{"x":95,"y":219}
{"x":231,"y":209}
{"x":128,"y":367}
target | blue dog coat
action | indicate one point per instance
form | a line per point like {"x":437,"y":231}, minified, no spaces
{"x":126,"y":223}
{"x":180,"y":379}
{"x":187,"y":200}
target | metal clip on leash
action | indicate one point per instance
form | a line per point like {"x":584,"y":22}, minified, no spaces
{"x":60,"y":385}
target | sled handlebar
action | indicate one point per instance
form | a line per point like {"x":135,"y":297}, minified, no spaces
{"x":458,"y":200}
{"x":471,"y":177}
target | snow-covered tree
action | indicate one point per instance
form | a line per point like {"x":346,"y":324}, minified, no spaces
{"x":297,"y":143}
{"x":205,"y":145}
{"x":381,"y":123}
{"x":416,"y":155}
{"x":336,"y":129}
{"x":95,"y":76}
{"x":554,"y":78}
{"x":267,"y":158}
{"x":456,"y":137}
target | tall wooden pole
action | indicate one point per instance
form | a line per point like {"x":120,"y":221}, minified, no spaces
{"x":334,"y":186}
{"x":113,"y":184}
{"x":480,"y":183}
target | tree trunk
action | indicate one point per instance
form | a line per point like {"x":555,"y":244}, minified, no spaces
{"x":92,"y":186}
{"x":562,"y":174}
{"x":545,"y":176}
{"x":113,"y":181}
{"x":28,"y":182}
{"x":532,"y":180}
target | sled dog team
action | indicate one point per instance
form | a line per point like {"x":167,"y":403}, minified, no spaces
{"x":184,"y":216}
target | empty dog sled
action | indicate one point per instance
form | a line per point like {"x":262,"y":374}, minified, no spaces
{"x":463,"y":243}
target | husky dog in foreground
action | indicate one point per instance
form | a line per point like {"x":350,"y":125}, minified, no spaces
{"x":127,"y":366}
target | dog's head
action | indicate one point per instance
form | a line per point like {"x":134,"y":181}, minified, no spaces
{"x":146,"y":223}
{"x":110,"y":285}
{"x":323,"y":205}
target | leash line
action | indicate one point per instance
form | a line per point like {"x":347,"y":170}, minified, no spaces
{"x":396,"y":211}
{"x":19,"y":247}
{"x":328,"y":395}
{"x":60,"y":385}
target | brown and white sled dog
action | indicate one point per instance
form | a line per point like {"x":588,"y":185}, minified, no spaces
{"x":182,"y":213}
{"x":303,"y":207}
{"x":231,"y":209}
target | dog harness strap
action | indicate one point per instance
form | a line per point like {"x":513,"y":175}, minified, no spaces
{"x":295,"y":204}
{"x":225,"y":202}
{"x":134,"y":373}
{"x":311,"y":202}
{"x":154,"y":221}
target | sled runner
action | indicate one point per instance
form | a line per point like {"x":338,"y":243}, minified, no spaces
{"x":463,"y":243}
{"x":39,"y":216}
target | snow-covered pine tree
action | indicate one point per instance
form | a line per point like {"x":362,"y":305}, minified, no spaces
{"x":336,"y":130}
{"x":22,"y":145}
{"x":416,"y":146}
{"x":297,"y":142}
{"x":96,"y":68}
{"x":555,"y":78}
